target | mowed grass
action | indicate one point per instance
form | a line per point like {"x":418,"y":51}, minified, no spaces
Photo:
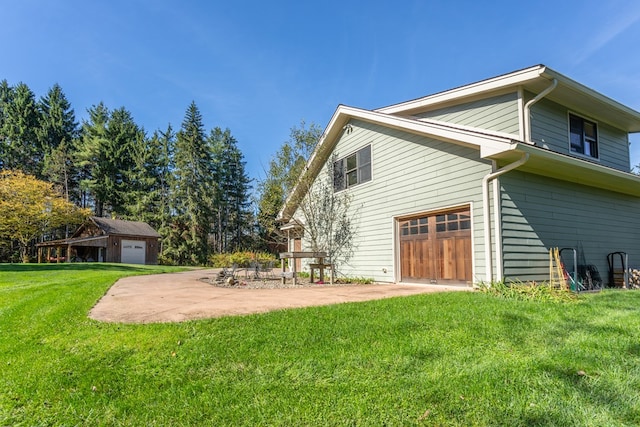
{"x":440,"y":359}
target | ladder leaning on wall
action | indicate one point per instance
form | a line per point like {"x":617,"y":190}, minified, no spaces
{"x":557,"y":277}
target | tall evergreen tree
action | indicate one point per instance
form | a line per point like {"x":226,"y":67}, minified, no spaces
{"x":192,"y":193}
{"x":57,"y":133}
{"x":92,"y":158}
{"x":57,"y":119}
{"x":148,"y":198}
{"x":165,"y":145}
{"x":123,"y":134}
{"x":20,"y":147}
{"x":104,"y":155}
{"x":6,"y":97}
{"x":232,"y":203}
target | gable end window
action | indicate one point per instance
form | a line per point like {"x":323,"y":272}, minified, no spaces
{"x":583,"y":136}
{"x":352,"y":170}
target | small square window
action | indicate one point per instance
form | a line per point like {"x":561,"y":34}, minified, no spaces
{"x":352,"y":170}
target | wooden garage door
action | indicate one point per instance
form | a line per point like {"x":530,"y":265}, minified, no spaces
{"x":436,"y":248}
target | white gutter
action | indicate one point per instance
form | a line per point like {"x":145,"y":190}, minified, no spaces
{"x":486,"y":209}
{"x":486,"y":214}
{"x":527,"y":109}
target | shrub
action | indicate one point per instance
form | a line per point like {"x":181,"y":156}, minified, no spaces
{"x":241,"y":259}
{"x":530,"y":291}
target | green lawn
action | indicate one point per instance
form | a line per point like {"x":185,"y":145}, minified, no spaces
{"x":441,"y":359}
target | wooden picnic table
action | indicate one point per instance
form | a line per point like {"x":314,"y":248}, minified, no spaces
{"x":292,"y":256}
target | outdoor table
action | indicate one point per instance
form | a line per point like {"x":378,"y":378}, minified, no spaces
{"x":292,"y":256}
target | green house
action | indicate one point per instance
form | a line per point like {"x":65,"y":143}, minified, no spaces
{"x":479,"y":182}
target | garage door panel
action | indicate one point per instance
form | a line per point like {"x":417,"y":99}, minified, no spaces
{"x":133,"y":251}
{"x":436,"y":247}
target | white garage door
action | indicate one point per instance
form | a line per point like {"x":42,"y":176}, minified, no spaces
{"x":133,"y":251}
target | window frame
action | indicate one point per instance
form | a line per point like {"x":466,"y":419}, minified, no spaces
{"x":351,"y":176}
{"x":584,"y":140}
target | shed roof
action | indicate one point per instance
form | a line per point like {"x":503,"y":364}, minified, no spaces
{"x":122,"y":227}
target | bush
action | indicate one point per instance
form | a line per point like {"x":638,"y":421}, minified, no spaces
{"x":241,"y":259}
{"x":530,"y":291}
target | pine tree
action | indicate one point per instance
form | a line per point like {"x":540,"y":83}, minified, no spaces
{"x":21,"y":150}
{"x":92,"y":159}
{"x":58,"y":132}
{"x":233,"y":214}
{"x":123,"y":134}
{"x":105,"y":159}
{"x":6,"y":97}
{"x":57,"y":119}
{"x":148,"y":198}
{"x":165,"y":142}
{"x":192,"y":192}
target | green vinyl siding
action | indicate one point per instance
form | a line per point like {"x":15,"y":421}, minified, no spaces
{"x":550,"y":129}
{"x":410,"y":174}
{"x":540,"y":213}
{"x":498,"y":113}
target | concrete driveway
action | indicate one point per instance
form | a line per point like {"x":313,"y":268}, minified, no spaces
{"x":177,"y":297}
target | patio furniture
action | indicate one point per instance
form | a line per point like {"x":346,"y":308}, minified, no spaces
{"x":290,"y":258}
{"x":266,"y":270}
{"x":320,"y":267}
{"x":227,"y":273}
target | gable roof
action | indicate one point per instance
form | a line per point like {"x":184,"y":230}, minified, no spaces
{"x":492,"y":145}
{"x":570,"y":93}
{"x":121,"y":227}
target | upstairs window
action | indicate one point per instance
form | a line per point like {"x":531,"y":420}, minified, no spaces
{"x":352,"y":170}
{"x":583,"y":136}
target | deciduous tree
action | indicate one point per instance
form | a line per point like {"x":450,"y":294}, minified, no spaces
{"x":30,"y":207}
{"x":283,"y":173}
{"x":327,"y":218}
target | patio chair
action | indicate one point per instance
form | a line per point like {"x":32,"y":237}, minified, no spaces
{"x":266,"y":269}
{"x":255,"y":270}
{"x":226,"y":273}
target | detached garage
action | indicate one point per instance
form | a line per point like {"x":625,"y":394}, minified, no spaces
{"x":105,"y":240}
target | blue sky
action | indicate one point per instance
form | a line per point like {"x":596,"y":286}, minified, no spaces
{"x":260,"y":67}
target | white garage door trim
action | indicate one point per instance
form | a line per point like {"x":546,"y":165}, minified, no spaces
{"x":133,"y":252}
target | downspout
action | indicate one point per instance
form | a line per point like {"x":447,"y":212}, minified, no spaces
{"x":486,"y":214}
{"x":486,"y":210}
{"x":527,"y":109}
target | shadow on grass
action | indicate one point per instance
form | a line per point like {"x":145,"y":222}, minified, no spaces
{"x":93,"y":266}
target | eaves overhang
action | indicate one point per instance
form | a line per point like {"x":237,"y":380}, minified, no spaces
{"x":487,"y":141}
{"x":567,"y":168}
{"x":569,"y":93}
{"x":77,"y":241}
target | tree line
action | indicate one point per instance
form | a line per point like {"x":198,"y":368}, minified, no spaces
{"x":190,"y":184}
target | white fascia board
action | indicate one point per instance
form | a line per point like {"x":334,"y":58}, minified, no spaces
{"x":507,"y":80}
{"x":580,"y":88}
